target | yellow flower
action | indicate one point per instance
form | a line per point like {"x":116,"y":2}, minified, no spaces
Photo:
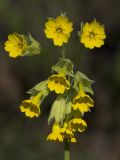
{"x":67,"y":133}
{"x":65,"y":129}
{"x":77,"y":124}
{"x":93,"y":35}
{"x":55,"y":135}
{"x":58,"y":83}
{"x":15,"y":45}
{"x":83,"y":102}
{"x":31,"y":106}
{"x":58,"y":29}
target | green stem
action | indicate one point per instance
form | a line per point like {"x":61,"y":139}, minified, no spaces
{"x":67,"y":150}
{"x":63,"y":52}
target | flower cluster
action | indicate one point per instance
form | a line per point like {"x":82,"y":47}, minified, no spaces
{"x":71,"y":102}
{"x":67,"y":130}
{"x":59,"y":29}
{"x":72,"y":110}
{"x":73,"y":89}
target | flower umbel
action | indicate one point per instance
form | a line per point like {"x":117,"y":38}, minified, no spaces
{"x":83,"y":102}
{"x":92,"y":35}
{"x":55,"y":135}
{"x":15,"y":45}
{"x":73,"y":88}
{"x":31,"y":106}
{"x":58,"y":29}
{"x":58,"y":83}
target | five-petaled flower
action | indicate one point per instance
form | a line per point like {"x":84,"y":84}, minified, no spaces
{"x":58,"y":29}
{"x":58,"y":83}
{"x":92,"y":35}
{"x":15,"y":45}
{"x":31,"y":107}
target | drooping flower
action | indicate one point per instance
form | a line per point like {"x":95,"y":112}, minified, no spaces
{"x":58,"y":83}
{"x":58,"y":29}
{"x":31,"y":107}
{"x":15,"y":45}
{"x":92,"y":35}
{"x":67,"y":133}
{"x":83,"y":102}
{"x":55,"y":135}
{"x":77,"y":124}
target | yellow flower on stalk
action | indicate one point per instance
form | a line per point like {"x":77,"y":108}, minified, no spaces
{"x":31,"y":106}
{"x":83,"y":102}
{"x":77,"y":124}
{"x":15,"y":45}
{"x":58,"y":29}
{"x":58,"y":83}
{"x":55,"y":135}
{"x":92,"y":35}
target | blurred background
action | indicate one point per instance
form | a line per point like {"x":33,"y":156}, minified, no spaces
{"x":23,"y":138}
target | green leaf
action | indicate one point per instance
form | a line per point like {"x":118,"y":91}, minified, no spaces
{"x":34,"y":43}
{"x":40,"y":87}
{"x":33,"y":47}
{"x":64,"y":66}
{"x":57,"y":110}
{"x":81,"y":79}
{"x":69,"y":98}
{"x":68,"y":107}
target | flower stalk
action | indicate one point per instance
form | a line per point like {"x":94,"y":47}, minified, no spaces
{"x":66,"y":150}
